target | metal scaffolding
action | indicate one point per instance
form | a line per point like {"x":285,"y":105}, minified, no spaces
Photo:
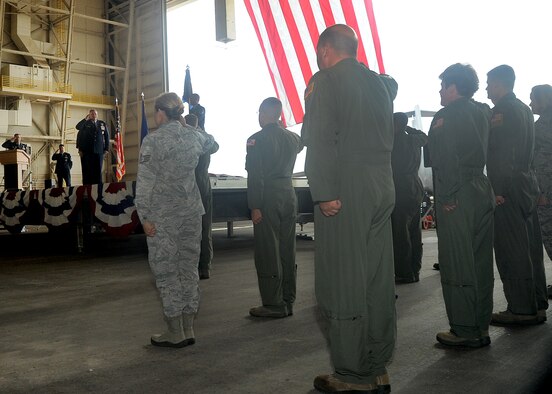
{"x":56,"y":23}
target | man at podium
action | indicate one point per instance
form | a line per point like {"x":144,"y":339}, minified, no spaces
{"x":15,"y":160}
{"x":14,"y":143}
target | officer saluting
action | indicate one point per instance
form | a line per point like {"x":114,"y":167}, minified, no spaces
{"x":14,"y":143}
{"x":63,"y":166}
{"x":409,"y":193}
{"x":92,"y":143}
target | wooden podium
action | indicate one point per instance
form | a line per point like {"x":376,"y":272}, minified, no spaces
{"x":15,"y":161}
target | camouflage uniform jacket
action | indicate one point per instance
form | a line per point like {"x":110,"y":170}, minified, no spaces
{"x":166,"y":187}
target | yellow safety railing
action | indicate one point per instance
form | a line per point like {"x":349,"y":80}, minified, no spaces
{"x":60,"y":29}
{"x":93,"y":99}
{"x":46,"y":87}
{"x":36,"y":85}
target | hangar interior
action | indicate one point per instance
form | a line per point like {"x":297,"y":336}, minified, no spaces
{"x":60,"y":58}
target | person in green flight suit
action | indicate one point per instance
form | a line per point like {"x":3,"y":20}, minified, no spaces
{"x":348,"y":131}
{"x":270,"y":159}
{"x":204,"y":184}
{"x":458,"y":140}
{"x":518,"y":241}
{"x":541,"y":104}
{"x":409,"y":194}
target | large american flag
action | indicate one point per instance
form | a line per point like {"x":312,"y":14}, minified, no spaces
{"x":288,"y":32}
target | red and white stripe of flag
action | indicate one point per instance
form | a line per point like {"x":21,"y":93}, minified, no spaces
{"x":288,"y":32}
{"x":120,"y":168}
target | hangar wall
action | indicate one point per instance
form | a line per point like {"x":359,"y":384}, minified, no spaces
{"x":59,"y":58}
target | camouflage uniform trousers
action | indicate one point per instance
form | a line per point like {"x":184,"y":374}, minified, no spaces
{"x":173,"y":255}
{"x":545,"y":220}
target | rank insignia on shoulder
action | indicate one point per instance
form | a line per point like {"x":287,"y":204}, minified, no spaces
{"x":309,"y":89}
{"x":497,"y":120}
{"x":145,"y":158}
{"x":251,"y":142}
{"x":438,"y":123}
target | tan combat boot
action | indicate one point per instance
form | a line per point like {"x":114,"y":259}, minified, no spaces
{"x":508,"y":318}
{"x":449,"y":338}
{"x":174,"y":337}
{"x":188,"y":327}
{"x":331,"y":384}
{"x":264,"y":311}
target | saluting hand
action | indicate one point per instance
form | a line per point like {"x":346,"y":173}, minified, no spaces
{"x":149,"y":228}
{"x":330,"y":208}
{"x":256,"y":216}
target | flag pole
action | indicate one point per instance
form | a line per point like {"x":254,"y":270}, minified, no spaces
{"x":144,"y":126}
{"x":120,"y":169}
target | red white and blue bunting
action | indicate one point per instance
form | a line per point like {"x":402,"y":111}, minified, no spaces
{"x":13,"y":206}
{"x":111,"y":204}
{"x":60,"y":204}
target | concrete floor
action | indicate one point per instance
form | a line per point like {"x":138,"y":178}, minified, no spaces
{"x":73,"y":323}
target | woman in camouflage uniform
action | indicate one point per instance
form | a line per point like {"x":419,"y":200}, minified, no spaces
{"x":541,"y":104}
{"x":169,"y":206}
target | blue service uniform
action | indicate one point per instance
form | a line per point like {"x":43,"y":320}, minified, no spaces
{"x":92,"y":142}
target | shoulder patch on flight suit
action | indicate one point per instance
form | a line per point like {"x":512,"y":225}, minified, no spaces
{"x":251,"y":142}
{"x":309,"y":89}
{"x":497,"y":120}
{"x":438,"y":123}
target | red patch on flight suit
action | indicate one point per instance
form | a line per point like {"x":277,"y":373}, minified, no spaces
{"x":251,"y":142}
{"x":309,"y":89}
{"x":438,"y":123}
{"x":497,"y":120}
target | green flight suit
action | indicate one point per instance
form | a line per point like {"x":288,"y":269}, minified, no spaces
{"x":271,"y":155}
{"x":518,"y":242}
{"x":458,"y":141}
{"x":348,"y":130}
{"x":409,"y":194}
{"x":204,"y":185}
{"x":543,"y":170}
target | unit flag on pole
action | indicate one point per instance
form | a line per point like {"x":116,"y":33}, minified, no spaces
{"x":144,"y":127}
{"x":188,"y":90}
{"x":288,"y":33}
